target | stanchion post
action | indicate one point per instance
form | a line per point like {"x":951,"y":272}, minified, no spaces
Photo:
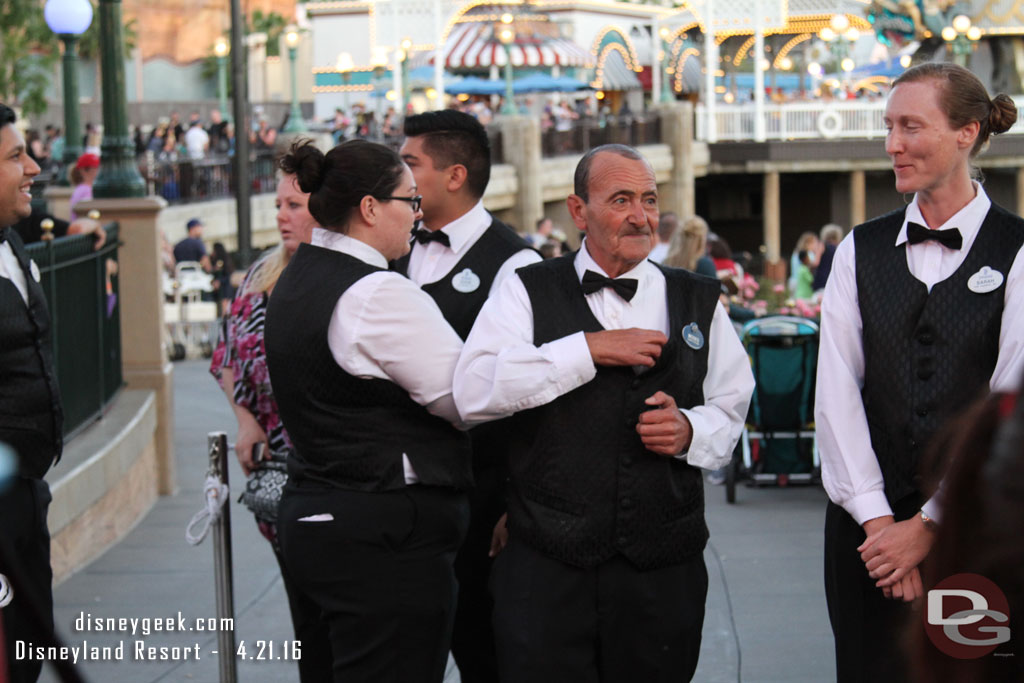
{"x":217,"y":444}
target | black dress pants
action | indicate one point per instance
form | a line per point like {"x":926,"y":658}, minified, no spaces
{"x":473,"y":634}
{"x":870,"y":630}
{"x":379,"y":566}
{"x":557,"y":623}
{"x":25,"y":560}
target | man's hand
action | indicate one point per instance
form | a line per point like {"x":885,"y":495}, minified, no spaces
{"x":664,"y":430}
{"x":891,"y":552}
{"x":88,"y":226}
{"x":634,"y":346}
{"x":499,"y":537}
{"x":909,"y":588}
{"x":249,"y":434}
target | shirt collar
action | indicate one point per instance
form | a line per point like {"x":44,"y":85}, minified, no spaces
{"x":335,"y":241}
{"x":968,"y":219}
{"x":465,"y":229}
{"x":584,"y":262}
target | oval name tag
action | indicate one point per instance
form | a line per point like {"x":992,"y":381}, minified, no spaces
{"x":985,"y":280}
{"x":467,"y":281}
{"x":34,"y":269}
{"x":693,"y":337}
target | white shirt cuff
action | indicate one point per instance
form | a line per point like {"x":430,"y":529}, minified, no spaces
{"x":700,"y":453}
{"x":572,"y":367}
{"x":933,"y":509}
{"x":868,"y":506}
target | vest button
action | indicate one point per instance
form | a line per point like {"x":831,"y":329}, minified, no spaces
{"x":621,"y":541}
{"x":626,"y":503}
{"x":626,"y":461}
{"x":912,"y":443}
{"x":925,"y":373}
{"x":635,"y":384}
{"x":922,"y":412}
{"x":629,"y":422}
{"x":926,"y":338}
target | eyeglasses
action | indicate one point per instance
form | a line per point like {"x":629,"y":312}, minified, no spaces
{"x":416,"y":201}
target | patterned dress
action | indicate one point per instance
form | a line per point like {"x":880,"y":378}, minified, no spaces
{"x":240,"y":348}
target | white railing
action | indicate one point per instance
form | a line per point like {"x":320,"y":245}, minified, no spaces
{"x":804,"y":121}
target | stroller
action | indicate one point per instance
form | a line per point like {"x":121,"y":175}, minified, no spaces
{"x":779,"y":444}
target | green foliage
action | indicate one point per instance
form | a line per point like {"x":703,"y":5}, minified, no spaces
{"x":89,"y":42}
{"x":28,"y":51}
{"x":273,"y":25}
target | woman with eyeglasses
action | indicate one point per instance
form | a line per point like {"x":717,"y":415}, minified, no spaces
{"x":361,"y":361}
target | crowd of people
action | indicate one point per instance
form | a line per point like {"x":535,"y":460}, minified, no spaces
{"x":454,"y":444}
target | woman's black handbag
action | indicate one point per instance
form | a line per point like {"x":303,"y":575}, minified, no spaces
{"x":264,"y":485}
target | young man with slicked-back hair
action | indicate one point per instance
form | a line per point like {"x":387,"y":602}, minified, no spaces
{"x":460,"y":254}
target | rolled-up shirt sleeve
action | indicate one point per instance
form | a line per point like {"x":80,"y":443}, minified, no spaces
{"x":849,"y":467}
{"x":728,"y":386}
{"x":501,"y":371}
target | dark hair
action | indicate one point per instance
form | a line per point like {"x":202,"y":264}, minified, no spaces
{"x":719,"y":248}
{"x":7,"y":115}
{"x":338,"y":181}
{"x":452,"y":137}
{"x":804,"y":256}
{"x":963,"y":99}
{"x":582,"y":177}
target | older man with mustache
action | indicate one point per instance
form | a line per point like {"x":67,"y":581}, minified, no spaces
{"x":626,"y":377}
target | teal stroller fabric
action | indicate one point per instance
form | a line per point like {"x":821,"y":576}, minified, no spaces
{"x":784,"y":357}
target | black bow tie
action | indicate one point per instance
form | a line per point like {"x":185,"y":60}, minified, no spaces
{"x":625,"y":287}
{"x":917,"y":233}
{"x":423,"y":236}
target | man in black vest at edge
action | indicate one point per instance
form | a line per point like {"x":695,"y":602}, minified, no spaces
{"x":460,"y":255}
{"x":923,"y":313}
{"x":626,"y":377}
{"x":30,"y":417}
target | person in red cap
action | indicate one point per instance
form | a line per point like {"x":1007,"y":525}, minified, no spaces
{"x":83,"y":175}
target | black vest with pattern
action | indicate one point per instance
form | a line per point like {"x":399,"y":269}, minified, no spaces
{"x":927,"y":356}
{"x":583,"y":486}
{"x":348,"y":432}
{"x":485,"y":258}
{"x":31,"y":419}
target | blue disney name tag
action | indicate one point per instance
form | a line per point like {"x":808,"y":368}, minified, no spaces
{"x":693,"y":337}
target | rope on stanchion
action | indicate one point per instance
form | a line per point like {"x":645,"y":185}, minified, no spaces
{"x":216,"y":494}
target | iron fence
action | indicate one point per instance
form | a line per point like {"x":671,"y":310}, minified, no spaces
{"x":81,"y":287}
{"x":187,"y":181}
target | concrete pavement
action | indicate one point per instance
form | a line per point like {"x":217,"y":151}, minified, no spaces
{"x":766,"y":618}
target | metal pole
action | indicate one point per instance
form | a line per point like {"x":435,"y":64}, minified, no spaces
{"x":72,"y":121}
{"x":759,"y":127}
{"x":710,"y":67}
{"x":295,"y":122}
{"x":510,"y":105}
{"x":217,"y":444}
{"x":656,"y":68}
{"x":240,"y":83}
{"x":119,"y":176}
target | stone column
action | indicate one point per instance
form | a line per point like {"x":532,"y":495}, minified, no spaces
{"x":858,"y":198}
{"x":1020,"y":191}
{"x":677,"y":132}
{"x":58,"y":201}
{"x":256,"y":43}
{"x":774,"y":267}
{"x":143,"y":354}
{"x":521,"y":143}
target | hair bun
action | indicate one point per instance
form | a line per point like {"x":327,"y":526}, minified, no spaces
{"x":307,"y":163}
{"x":1003,"y":114}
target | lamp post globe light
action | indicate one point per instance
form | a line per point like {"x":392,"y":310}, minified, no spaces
{"x":507,"y":36}
{"x":221,"y":50}
{"x":295,"y":123}
{"x":961,"y":37}
{"x":69,"y":19}
{"x":344,"y":66}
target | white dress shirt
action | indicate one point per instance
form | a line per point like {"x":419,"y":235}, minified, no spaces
{"x":659,"y":252}
{"x":433,"y":261}
{"x":382,"y":327}
{"x":11,"y":269}
{"x":849,"y":467}
{"x":502,"y":372}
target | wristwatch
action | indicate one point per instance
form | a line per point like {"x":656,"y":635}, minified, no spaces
{"x":928,"y":522}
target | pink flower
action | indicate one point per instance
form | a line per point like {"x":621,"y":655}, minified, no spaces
{"x":779,"y":288}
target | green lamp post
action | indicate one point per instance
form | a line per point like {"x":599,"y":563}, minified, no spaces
{"x":69,"y":19}
{"x":295,"y":122}
{"x":666,"y":72}
{"x":507,"y":36}
{"x":119,"y":176}
{"x":961,"y":38}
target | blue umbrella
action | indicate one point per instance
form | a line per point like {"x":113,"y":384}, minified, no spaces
{"x":541,"y":82}
{"x":472,"y":85}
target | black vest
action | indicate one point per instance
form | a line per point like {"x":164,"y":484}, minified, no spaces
{"x":485,"y":258}
{"x":31,"y":419}
{"x":583,"y":486}
{"x":347,"y":431}
{"x":927,"y":356}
